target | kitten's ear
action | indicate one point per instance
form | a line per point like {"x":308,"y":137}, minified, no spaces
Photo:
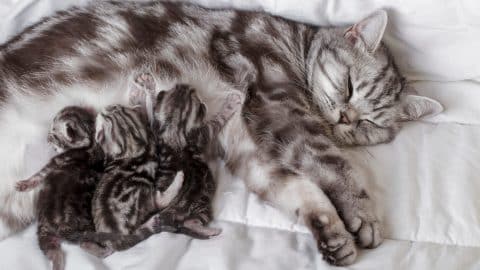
{"x":415,"y":107}
{"x":69,"y":132}
{"x":369,"y":31}
{"x":99,"y":135}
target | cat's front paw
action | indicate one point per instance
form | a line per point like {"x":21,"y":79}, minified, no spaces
{"x":334,"y":242}
{"x":25,"y":185}
{"x":367,"y":231}
{"x":344,"y":134}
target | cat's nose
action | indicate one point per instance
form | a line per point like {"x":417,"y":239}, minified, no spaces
{"x":348,"y":116}
{"x":344,"y":119}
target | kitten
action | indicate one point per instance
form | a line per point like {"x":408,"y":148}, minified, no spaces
{"x":180,"y":127}
{"x":126,"y":200}
{"x":69,"y":181}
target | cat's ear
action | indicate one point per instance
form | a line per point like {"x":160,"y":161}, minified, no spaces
{"x":69,"y":132}
{"x":369,"y":31}
{"x":415,"y":107}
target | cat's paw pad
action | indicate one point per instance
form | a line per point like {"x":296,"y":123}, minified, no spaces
{"x":334,"y":242}
{"x":369,"y":234}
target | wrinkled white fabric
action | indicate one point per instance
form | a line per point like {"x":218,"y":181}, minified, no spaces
{"x":425,"y":183}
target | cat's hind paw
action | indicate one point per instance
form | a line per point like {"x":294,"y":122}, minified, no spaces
{"x":368,"y":233}
{"x":334,"y":242}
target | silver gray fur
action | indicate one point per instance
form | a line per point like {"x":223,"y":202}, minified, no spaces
{"x":285,"y":142}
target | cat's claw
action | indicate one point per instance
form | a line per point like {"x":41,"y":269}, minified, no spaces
{"x":334,"y":242}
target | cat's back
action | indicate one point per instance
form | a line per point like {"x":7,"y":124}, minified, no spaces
{"x":65,"y":199}
{"x":123,"y":198}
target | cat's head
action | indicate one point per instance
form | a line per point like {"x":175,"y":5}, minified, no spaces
{"x":176,"y":113}
{"x":73,"y":127}
{"x":357,"y":85}
{"x":122,"y":132}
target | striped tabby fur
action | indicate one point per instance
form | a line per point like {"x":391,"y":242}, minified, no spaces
{"x":182,"y":131}
{"x":316,"y":89}
{"x":126,"y":200}
{"x":69,"y":180}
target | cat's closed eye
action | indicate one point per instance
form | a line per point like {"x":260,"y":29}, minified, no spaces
{"x":349,"y":89}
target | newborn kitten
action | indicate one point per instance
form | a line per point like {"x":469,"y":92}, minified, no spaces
{"x":126,"y":199}
{"x":181,"y":130}
{"x":70,"y":178}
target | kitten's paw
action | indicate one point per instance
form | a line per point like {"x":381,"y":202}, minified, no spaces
{"x":26,"y":185}
{"x":334,"y":242}
{"x":233,"y":101}
{"x":96,"y":250}
{"x":145,"y":81}
{"x":367,"y":231}
{"x":196,"y":226}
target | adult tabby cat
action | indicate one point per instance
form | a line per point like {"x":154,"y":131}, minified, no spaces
{"x":316,"y":88}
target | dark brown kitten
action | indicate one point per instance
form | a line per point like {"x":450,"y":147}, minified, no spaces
{"x":69,"y":181}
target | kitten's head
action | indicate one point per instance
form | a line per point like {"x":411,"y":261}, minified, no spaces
{"x":357,"y":85}
{"x":176,"y":113}
{"x":122,"y":132}
{"x":73,"y":127}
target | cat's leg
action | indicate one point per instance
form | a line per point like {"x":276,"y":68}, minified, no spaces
{"x":32,"y":182}
{"x":163,"y":199}
{"x":142,"y":92}
{"x":333,"y":173}
{"x":299,"y":195}
{"x":38,"y":178}
{"x":50,"y":245}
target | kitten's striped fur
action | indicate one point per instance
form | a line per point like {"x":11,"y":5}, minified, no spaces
{"x":182,"y":131}
{"x":297,"y":112}
{"x":126,"y":201}
{"x":69,"y":180}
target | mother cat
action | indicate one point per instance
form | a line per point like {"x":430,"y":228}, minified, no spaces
{"x":315,"y":89}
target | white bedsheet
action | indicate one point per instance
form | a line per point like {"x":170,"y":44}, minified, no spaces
{"x":425,"y":183}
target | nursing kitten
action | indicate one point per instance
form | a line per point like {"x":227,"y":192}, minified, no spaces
{"x":317,"y":89}
{"x":181,"y":130}
{"x":126,"y":199}
{"x":69,"y":181}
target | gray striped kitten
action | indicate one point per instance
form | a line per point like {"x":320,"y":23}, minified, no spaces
{"x":126,"y":200}
{"x":317,"y":89}
{"x":182,"y":131}
{"x":69,"y":180}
